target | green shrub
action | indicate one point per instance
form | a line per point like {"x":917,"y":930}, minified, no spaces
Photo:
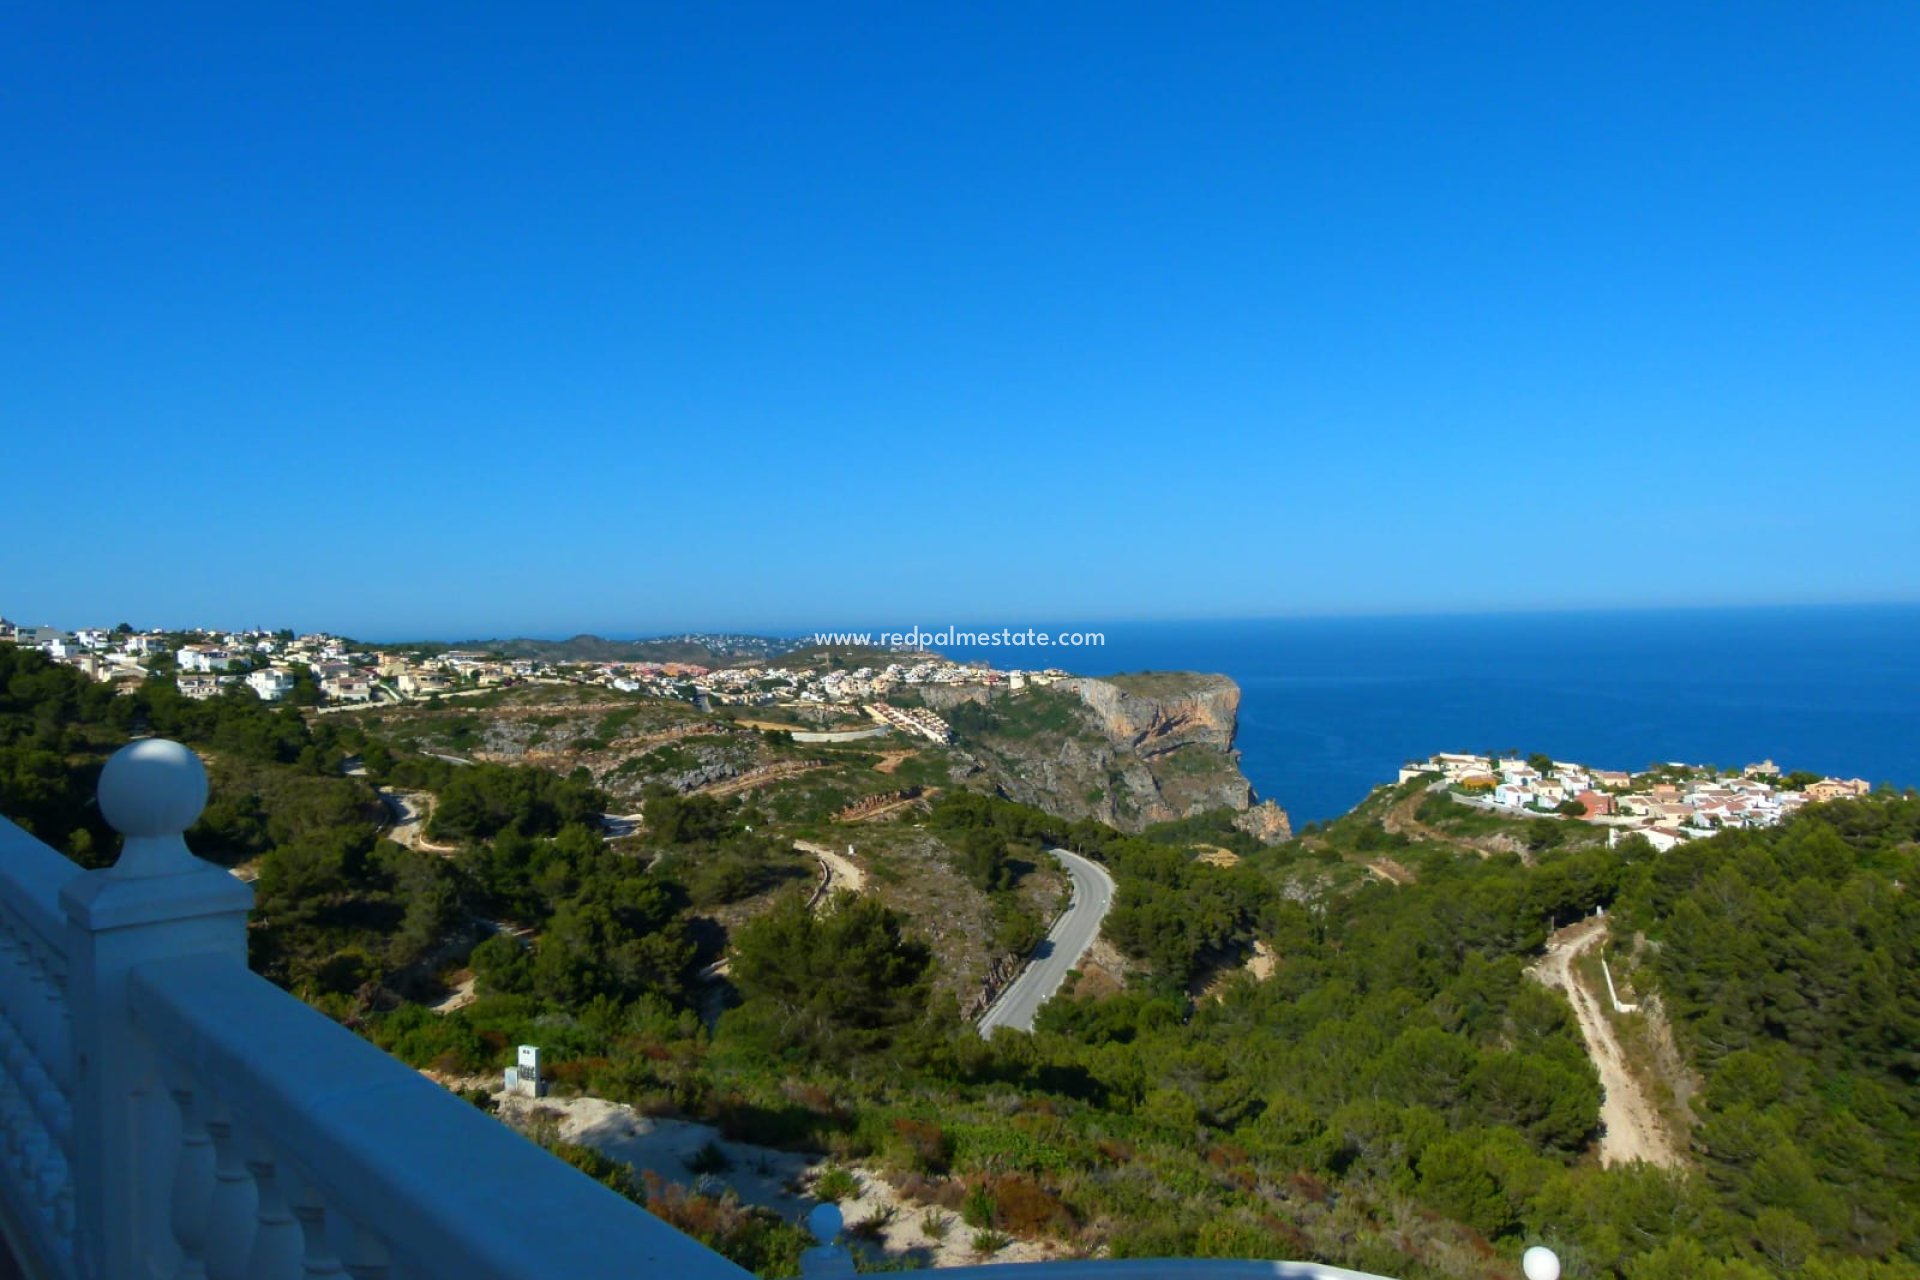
{"x":836,"y":1183}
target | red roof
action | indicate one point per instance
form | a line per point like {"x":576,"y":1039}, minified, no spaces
{"x":1595,"y":803}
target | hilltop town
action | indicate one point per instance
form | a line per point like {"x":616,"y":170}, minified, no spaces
{"x":330,"y":671}
{"x":1664,"y":805}
{"x":1115,"y":751}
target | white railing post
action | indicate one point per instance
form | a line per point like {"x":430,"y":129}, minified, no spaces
{"x":158,"y":901}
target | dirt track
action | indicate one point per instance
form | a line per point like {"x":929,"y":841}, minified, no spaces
{"x":1633,"y":1127}
{"x":842,"y":871}
{"x":1390,"y":871}
{"x":411,"y":811}
{"x":758,"y":778}
{"x":1400,"y":820}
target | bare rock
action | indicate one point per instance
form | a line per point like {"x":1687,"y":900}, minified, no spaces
{"x":1266,"y":822}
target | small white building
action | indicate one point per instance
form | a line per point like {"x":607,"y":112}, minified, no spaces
{"x":271,"y":683}
{"x":420,"y":684}
{"x":351,"y":687}
{"x":524,"y":1076}
{"x":1662,"y":839}
{"x":1517,"y":771}
{"x":197,"y":685}
{"x":199,"y":657}
{"x":1511,"y":795}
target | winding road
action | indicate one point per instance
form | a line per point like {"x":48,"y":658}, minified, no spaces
{"x":1072,"y":934}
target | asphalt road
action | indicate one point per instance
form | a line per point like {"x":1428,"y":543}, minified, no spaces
{"x":1060,"y":951}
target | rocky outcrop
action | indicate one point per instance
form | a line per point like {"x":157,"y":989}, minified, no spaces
{"x":1266,"y":822}
{"x":1129,"y":751}
{"x":945,"y":697}
{"x":1161,"y":712}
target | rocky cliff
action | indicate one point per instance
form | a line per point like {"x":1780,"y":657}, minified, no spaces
{"x":1155,"y":714}
{"x":1130,"y":751}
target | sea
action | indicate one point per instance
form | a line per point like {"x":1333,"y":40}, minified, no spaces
{"x":1332,"y":707}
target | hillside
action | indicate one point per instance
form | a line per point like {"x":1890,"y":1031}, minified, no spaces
{"x":1341,"y":1047}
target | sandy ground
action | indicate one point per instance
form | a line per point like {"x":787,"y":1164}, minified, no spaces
{"x":776,"y":1180}
{"x":890,"y":760}
{"x":410,"y":811}
{"x":1634,"y":1130}
{"x":1262,"y":962}
{"x":1214,"y":856}
{"x":460,"y":996}
{"x":1392,"y":872}
{"x":845,"y":873}
{"x":1259,"y":964}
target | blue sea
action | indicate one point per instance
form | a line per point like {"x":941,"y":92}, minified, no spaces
{"x":1333,"y":706}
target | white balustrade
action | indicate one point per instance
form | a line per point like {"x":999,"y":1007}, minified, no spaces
{"x":165,"y":1112}
{"x":37,"y":1195}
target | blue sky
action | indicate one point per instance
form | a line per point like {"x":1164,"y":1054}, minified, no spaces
{"x":463,"y":320}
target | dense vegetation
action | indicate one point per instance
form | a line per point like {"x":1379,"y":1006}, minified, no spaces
{"x":1399,"y":1096}
{"x":1790,"y":961}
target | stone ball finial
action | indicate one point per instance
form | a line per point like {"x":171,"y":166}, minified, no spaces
{"x":151,"y":791}
{"x":826,"y":1222}
{"x":1540,"y":1263}
{"x":153,"y":787}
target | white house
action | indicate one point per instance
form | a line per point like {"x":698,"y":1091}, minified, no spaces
{"x":1662,"y":841}
{"x":271,"y":683}
{"x":196,"y":657}
{"x":419,"y":684}
{"x":197,"y":685}
{"x":351,"y":687}
{"x":1510,"y":795}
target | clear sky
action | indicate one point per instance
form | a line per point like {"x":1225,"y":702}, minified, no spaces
{"x":462,"y":320}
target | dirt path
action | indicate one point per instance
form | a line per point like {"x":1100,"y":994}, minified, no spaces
{"x":1400,"y":820}
{"x":842,"y":872}
{"x":1390,"y":871}
{"x":411,"y":811}
{"x":460,"y":996}
{"x":758,"y":778}
{"x":1633,"y":1127}
{"x":888,"y":810}
{"x":890,"y":760}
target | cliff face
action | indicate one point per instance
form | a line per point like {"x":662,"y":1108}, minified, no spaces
{"x":1129,"y":751}
{"x":1156,"y":714}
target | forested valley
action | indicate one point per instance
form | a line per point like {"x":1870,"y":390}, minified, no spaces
{"x":1399,"y":1096}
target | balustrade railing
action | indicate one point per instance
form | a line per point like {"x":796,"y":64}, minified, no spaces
{"x":36,"y":1058}
{"x":168,"y":1113}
